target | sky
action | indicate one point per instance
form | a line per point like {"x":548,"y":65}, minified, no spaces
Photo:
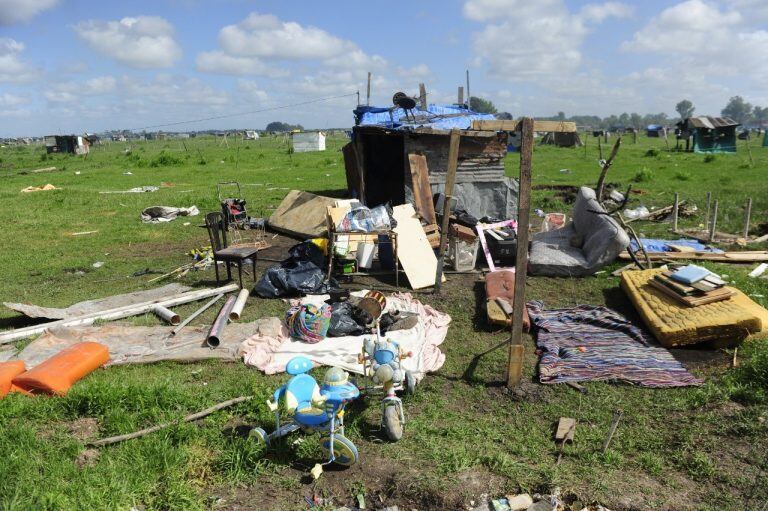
{"x":75,"y":66}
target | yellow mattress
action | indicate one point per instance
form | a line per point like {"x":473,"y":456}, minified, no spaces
{"x":675,"y":324}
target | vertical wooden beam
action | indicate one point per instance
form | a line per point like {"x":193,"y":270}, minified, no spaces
{"x":675,"y":209}
{"x":709,"y":206}
{"x":516,"y":349}
{"x":713,"y":225}
{"x":423,"y":96}
{"x":461,"y":95}
{"x":747,"y":214}
{"x":450,"y":182}
{"x":469,"y":96}
{"x":368,"y":91}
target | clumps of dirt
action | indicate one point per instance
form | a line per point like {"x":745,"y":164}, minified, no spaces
{"x":87,"y":458}
{"x":565,"y":193}
{"x":85,"y":428}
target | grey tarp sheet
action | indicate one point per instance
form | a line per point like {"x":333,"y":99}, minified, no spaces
{"x":158,"y":214}
{"x":497,"y":199}
{"x":98,"y":305}
{"x":140,"y":344}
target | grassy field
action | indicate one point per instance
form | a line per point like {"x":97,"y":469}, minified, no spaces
{"x":683,"y":449}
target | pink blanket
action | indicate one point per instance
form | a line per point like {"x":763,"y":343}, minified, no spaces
{"x":271,"y":353}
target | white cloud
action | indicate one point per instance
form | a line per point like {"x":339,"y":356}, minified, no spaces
{"x":12,"y":68}
{"x":218,"y":62}
{"x":8,"y":100}
{"x":17,"y":11}
{"x":264,"y":45}
{"x":167,"y":89}
{"x":142,"y":42}
{"x":67,"y":92}
{"x":252,"y":91}
{"x":525,"y":40}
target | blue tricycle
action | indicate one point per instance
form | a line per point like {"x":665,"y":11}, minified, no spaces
{"x":314,"y":407}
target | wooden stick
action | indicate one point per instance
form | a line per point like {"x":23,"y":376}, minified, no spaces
{"x":675,"y":209}
{"x":713,"y":226}
{"x":749,"y":151}
{"x":450,"y":181}
{"x":368,"y":91}
{"x":747,"y":214}
{"x":604,"y":172}
{"x":469,"y":97}
{"x":612,"y":431}
{"x":709,"y":204}
{"x":516,"y":349}
{"x":189,"y":418}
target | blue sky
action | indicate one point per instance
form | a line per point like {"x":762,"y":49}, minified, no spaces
{"x":75,"y":66}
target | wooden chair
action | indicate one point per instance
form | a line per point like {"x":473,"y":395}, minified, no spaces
{"x":214,"y":222}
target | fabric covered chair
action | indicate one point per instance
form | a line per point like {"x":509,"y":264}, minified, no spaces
{"x":583,"y":246}
{"x":214,"y":222}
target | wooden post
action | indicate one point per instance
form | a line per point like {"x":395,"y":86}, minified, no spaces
{"x":368,"y":91}
{"x":469,"y":97}
{"x":675,"y":209}
{"x":423,"y":96}
{"x":586,"y":139}
{"x":461,"y":95}
{"x":516,"y":348}
{"x":604,"y":171}
{"x":713,"y":225}
{"x":747,"y":214}
{"x":600,"y":148}
{"x":634,"y":137}
{"x":666,"y":140}
{"x":709,"y":205}
{"x":450,"y":181}
{"x":749,"y":151}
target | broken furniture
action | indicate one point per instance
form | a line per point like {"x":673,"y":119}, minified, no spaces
{"x":228,"y":255}
{"x":588,"y":242}
{"x":675,"y":324}
{"x":237,"y":220}
{"x":314,"y":407}
{"x":356,"y":241}
{"x":499,"y":297}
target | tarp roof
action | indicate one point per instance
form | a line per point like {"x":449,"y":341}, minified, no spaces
{"x":711,"y":122}
{"x":655,"y":127}
{"x":439,"y":117}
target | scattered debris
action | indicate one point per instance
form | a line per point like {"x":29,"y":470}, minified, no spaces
{"x":98,"y":264}
{"x":759,"y":270}
{"x":158,"y":214}
{"x":138,"y":189}
{"x":39,"y":188}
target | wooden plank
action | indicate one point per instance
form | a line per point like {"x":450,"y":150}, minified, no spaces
{"x":747,"y":256}
{"x":516,"y":352}
{"x":450,"y":182}
{"x":413,"y":251}
{"x":566,"y":427}
{"x":514,"y":125}
{"x":352,"y":169}
{"x":423,"y":96}
{"x":422,"y":192}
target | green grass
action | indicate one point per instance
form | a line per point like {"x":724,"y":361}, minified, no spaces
{"x":695,"y":448}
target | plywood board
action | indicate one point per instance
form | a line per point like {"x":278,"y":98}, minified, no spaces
{"x":413,"y":250}
{"x":301,"y":214}
{"x":422,"y":192}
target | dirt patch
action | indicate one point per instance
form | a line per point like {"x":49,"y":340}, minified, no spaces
{"x":85,"y":428}
{"x":87,"y":458}
{"x":383,"y":481}
{"x":564,"y":193}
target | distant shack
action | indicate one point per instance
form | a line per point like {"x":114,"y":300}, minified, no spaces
{"x":307,"y":141}
{"x":709,"y":134}
{"x":71,"y":144}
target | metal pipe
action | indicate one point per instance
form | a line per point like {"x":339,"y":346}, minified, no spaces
{"x":237,"y":308}
{"x":214,"y":334}
{"x":196,"y":314}
{"x":747,"y":214}
{"x":713,"y":225}
{"x":116,"y":313}
{"x":166,"y":314}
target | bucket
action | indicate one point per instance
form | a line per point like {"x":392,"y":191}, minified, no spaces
{"x":365,"y":253}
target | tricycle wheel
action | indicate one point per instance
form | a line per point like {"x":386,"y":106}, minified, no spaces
{"x":259,"y":435}
{"x":410,"y":383}
{"x":392,"y":425}
{"x":343,"y":448}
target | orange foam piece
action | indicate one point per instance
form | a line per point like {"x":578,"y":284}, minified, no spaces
{"x":8,"y":371}
{"x":57,"y":374}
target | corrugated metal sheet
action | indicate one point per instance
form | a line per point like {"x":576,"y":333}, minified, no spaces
{"x":711,"y":122}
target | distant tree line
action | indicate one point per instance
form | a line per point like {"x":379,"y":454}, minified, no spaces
{"x":737,"y":109}
{"x":283,"y":126}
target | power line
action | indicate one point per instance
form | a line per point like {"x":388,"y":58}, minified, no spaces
{"x":216,"y":117}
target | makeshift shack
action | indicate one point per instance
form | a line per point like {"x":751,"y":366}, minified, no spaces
{"x":655,"y":131}
{"x":304,"y":142}
{"x":72,"y":144}
{"x":561,"y":139}
{"x":378,"y":169}
{"x":709,"y":134}
{"x":250,"y":135}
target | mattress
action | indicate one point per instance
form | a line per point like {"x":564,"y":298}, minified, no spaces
{"x":675,"y":324}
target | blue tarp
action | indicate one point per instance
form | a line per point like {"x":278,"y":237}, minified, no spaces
{"x":439,"y":117}
{"x":656,"y":245}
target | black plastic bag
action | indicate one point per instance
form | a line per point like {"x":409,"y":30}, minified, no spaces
{"x":300,"y":274}
{"x":343,"y":321}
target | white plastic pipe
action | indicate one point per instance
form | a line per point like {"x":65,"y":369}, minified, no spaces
{"x":116,"y":313}
{"x":237,"y":309}
{"x":166,"y":315}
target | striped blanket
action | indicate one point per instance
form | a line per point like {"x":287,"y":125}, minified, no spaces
{"x":588,"y":342}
